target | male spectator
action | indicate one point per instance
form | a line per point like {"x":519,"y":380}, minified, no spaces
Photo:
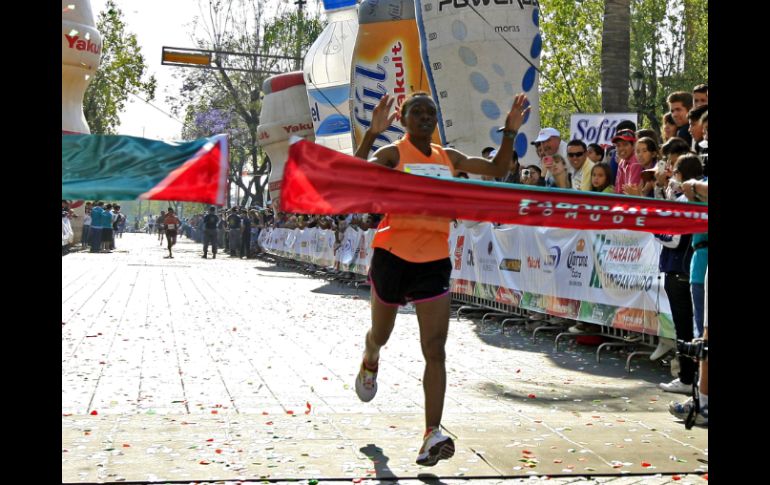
{"x":549,"y":142}
{"x":108,"y":217}
{"x":680,"y":103}
{"x":700,"y":95}
{"x":552,"y":143}
{"x":234,"y":227}
{"x":629,"y":169}
{"x":612,"y":155}
{"x":577,"y":155}
{"x":117,"y":222}
{"x":96,"y":226}
{"x":245,"y":234}
{"x":210,"y":224}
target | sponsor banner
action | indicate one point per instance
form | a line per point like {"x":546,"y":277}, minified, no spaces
{"x":597,"y":313}
{"x":608,"y":277}
{"x":562,"y":307}
{"x":508,"y":296}
{"x":596,"y":127}
{"x":462,"y":286}
{"x":323,"y":253}
{"x":348,"y":249}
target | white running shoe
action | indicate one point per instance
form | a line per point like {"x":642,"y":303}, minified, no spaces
{"x":435,"y":447}
{"x":366,"y":384}
{"x":676,"y":386}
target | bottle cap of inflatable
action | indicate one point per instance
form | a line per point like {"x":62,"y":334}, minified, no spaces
{"x":330,"y":5}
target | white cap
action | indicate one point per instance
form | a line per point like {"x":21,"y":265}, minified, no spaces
{"x":547,"y":133}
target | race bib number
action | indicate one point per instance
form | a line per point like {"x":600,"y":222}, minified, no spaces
{"x":428,"y":169}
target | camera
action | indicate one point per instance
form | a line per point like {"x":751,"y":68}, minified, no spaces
{"x":697,"y":349}
{"x":526,"y":173}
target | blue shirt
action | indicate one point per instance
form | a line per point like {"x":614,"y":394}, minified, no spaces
{"x":96,"y":217}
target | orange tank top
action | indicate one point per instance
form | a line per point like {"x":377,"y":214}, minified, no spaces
{"x":417,"y":238}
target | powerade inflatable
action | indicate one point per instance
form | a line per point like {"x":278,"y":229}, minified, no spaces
{"x":478,"y":55}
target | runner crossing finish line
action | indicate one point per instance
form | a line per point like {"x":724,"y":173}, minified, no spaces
{"x":411,"y":182}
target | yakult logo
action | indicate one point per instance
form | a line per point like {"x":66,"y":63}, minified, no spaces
{"x":299,"y":127}
{"x":371,"y":84}
{"x":77,"y":43}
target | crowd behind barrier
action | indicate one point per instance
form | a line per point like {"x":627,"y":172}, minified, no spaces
{"x":608,"y":278}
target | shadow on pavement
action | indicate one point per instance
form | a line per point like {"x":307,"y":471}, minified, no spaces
{"x":571,"y":355}
{"x":379,"y":460}
{"x":341,"y":290}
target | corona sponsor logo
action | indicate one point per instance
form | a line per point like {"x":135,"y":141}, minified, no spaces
{"x":575,"y":260}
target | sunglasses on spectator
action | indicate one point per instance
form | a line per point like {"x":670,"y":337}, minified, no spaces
{"x":575,"y":154}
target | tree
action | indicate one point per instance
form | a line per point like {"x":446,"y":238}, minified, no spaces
{"x":242,"y":26}
{"x":586,"y":69}
{"x":571,"y":60}
{"x":119,"y":75}
{"x":669,"y":51}
{"x":616,"y":55}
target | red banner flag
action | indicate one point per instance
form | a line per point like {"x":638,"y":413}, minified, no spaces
{"x":318,"y":180}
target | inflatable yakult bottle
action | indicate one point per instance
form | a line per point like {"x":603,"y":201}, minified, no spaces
{"x":386,"y":58}
{"x":81,"y":50}
{"x":285,"y":113}
{"x":327,"y":75}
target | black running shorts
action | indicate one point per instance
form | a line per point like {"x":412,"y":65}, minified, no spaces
{"x":396,"y":281}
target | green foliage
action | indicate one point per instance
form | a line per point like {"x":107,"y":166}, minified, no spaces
{"x":661,"y":42}
{"x":669,"y":47}
{"x":121,"y":71}
{"x":571,"y":60}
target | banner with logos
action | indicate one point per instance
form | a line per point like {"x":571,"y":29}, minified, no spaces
{"x":318,"y":180}
{"x":596,"y":127}
{"x":609,"y":278}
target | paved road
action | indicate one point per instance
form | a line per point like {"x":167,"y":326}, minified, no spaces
{"x":190,"y":369}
